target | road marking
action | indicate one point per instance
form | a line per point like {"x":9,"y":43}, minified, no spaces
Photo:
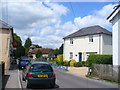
{"x":19,"y":79}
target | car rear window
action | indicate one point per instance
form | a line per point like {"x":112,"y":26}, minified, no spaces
{"x":41,"y":67}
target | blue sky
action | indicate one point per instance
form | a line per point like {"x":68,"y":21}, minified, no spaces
{"x":82,"y":9}
{"x":47,"y":23}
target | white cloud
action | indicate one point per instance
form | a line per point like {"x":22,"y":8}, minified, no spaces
{"x":42,"y":21}
{"x":97,"y":18}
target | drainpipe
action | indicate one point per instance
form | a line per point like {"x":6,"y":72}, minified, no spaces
{"x":99,"y":43}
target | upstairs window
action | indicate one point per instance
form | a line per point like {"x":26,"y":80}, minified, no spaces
{"x":71,"y":41}
{"x":91,"y":38}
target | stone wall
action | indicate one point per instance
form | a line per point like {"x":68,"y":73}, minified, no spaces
{"x":107,"y":72}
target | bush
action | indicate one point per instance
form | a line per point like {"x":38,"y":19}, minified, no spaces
{"x":79,"y":64}
{"x":99,"y":59}
{"x":60,"y":60}
{"x":65,"y":63}
{"x":72,"y":62}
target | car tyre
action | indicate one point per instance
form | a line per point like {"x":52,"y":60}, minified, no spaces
{"x":27,"y":85}
{"x":52,"y":85}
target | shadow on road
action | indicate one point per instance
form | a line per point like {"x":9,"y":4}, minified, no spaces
{"x":6,"y":77}
{"x":44,"y":87}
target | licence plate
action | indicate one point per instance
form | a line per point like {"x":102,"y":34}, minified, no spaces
{"x":45,"y":75}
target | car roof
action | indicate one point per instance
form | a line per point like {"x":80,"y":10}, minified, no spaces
{"x":39,"y":62}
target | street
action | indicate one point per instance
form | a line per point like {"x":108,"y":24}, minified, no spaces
{"x":65,"y":80}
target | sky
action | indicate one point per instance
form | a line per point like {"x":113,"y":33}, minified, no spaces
{"x":46,"y":23}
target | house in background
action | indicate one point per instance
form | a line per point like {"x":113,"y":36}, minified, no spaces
{"x":6,"y":39}
{"x":86,"y":41}
{"x":47,"y":53}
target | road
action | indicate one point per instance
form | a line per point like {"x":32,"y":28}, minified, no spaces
{"x":65,"y":80}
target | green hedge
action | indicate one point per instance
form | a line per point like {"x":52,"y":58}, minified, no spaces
{"x":99,"y":59}
{"x":80,"y":64}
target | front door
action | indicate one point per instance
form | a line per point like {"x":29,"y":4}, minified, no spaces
{"x":80,"y":57}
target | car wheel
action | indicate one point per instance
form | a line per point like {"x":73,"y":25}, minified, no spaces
{"x":52,"y":85}
{"x":27,"y":85}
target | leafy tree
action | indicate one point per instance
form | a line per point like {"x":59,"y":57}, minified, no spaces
{"x":17,"y":39}
{"x":61,"y":49}
{"x":38,"y":54}
{"x":28,"y":43}
{"x":20,"y":51}
{"x":56,"y":52}
{"x":37,"y":46}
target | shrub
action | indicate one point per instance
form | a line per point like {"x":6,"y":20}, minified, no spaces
{"x":72,"y":62}
{"x":60,"y":60}
{"x":79,"y":64}
{"x":99,"y":59}
{"x":65,"y":63}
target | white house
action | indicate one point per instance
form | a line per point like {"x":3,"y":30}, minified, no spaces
{"x":90,"y":40}
{"x":114,"y":18}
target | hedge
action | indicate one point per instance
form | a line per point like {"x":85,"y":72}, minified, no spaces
{"x":79,"y":64}
{"x":99,"y":59}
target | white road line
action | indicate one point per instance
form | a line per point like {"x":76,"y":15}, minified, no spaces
{"x":19,"y":79}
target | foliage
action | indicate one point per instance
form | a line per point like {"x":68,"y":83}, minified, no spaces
{"x":17,"y":39}
{"x":20,"y":50}
{"x":72,"y":62}
{"x":38,"y":54}
{"x":79,"y":64}
{"x":65,"y":63}
{"x":60,"y":60}
{"x":56,"y":52}
{"x":28,"y":43}
{"x":61,"y":49}
{"x":37,"y":46}
{"x":99,"y":59}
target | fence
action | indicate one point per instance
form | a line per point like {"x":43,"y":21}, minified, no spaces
{"x":107,"y":72}
{"x":2,"y":69}
{"x":59,"y":67}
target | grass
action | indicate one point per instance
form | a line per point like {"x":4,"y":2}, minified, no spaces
{"x":110,"y":81}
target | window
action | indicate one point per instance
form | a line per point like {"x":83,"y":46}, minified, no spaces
{"x":71,"y":41}
{"x":89,"y":53}
{"x":90,"y":38}
{"x":71,"y":55}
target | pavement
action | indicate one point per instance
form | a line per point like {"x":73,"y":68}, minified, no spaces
{"x":78,"y":71}
{"x":11,"y":78}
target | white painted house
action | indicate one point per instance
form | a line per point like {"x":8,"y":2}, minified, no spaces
{"x":90,"y":40}
{"x":114,"y":18}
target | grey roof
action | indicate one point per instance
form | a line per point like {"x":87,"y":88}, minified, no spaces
{"x":115,"y":8}
{"x":5,"y":25}
{"x":89,"y":31}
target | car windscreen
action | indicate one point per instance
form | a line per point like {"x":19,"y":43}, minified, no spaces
{"x":41,"y":67}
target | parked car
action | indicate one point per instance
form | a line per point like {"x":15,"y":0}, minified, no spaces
{"x":39,"y":73}
{"x":23,"y":62}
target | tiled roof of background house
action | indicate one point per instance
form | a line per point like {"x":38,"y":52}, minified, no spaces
{"x":43,"y":50}
{"x":5,"y":25}
{"x":89,"y":31}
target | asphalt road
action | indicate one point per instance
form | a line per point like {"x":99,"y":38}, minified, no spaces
{"x":65,"y":80}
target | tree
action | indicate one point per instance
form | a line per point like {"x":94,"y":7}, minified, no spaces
{"x":56,"y":52}
{"x":61,"y":49}
{"x":28,"y":43}
{"x":37,"y":46}
{"x":20,"y":50}
{"x":38,"y":54}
